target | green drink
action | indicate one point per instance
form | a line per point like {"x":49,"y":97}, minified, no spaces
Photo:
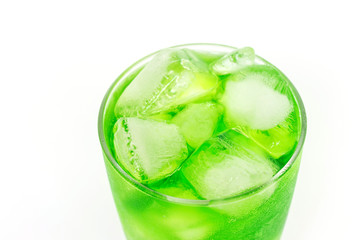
{"x":202,"y":141}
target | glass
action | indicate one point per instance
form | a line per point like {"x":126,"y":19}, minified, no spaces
{"x":147,"y":214}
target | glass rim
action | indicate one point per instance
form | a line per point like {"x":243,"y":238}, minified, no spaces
{"x":196,"y":202}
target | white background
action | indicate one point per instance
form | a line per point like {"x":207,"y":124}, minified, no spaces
{"x":57,"y":59}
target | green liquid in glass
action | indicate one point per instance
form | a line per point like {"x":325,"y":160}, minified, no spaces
{"x":182,"y":199}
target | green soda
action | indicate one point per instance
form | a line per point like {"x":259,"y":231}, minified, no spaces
{"x":200,"y":142}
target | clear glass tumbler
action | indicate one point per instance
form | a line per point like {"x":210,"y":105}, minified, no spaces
{"x":147,"y":214}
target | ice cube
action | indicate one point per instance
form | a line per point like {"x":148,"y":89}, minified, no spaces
{"x":171,"y":78}
{"x":164,"y":220}
{"x":197,"y":122}
{"x":260,"y":104}
{"x":234,"y":61}
{"x":247,"y":204}
{"x":190,"y":223}
{"x":149,"y":150}
{"x":175,"y":186}
{"x":184,"y":222}
{"x":227,"y":165}
{"x":279,"y":140}
{"x":252,"y":103}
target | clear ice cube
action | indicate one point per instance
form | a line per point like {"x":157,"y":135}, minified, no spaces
{"x":259,"y":102}
{"x":191,"y":223}
{"x":227,"y":165}
{"x":247,"y":204}
{"x":171,"y":78}
{"x":175,"y":186}
{"x":183,"y":222}
{"x":165,"y":220}
{"x":149,"y":150}
{"x":252,"y":103}
{"x":197,"y":122}
{"x":234,"y":61}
